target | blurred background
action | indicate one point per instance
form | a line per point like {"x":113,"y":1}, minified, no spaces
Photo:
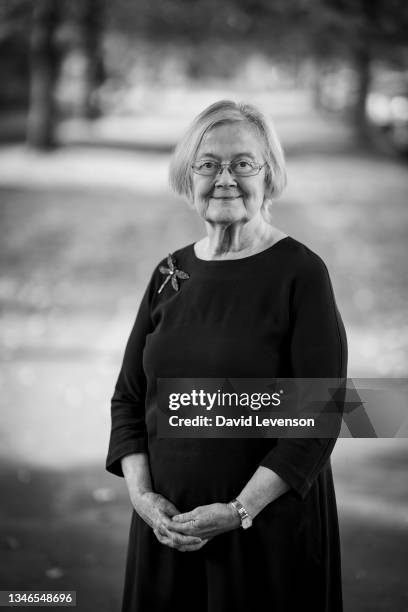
{"x":94,"y":97}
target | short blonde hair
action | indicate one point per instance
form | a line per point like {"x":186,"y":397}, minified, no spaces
{"x":221,"y":113}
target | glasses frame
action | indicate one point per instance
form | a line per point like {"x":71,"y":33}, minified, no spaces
{"x":221,"y":165}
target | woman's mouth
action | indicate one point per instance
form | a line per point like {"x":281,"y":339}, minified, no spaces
{"x":225,"y":197}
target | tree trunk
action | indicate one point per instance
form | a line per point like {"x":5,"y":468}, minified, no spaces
{"x":362,"y":59}
{"x":362,"y":63}
{"x":43,"y":74}
{"x":91,"y":20}
{"x":319,"y":71}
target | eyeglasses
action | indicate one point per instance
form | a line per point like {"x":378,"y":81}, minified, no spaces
{"x":240,"y":167}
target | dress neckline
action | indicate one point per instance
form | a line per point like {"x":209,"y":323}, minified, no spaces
{"x":229,"y":262}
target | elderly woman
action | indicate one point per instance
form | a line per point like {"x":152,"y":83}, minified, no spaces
{"x":229,"y":524}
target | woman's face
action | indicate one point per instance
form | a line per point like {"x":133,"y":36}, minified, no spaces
{"x":225,"y":198}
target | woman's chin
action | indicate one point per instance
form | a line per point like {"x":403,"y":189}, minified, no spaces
{"x":225,"y":217}
{"x":225,"y":214}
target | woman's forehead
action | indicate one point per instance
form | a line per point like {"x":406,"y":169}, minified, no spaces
{"x":231,"y":139}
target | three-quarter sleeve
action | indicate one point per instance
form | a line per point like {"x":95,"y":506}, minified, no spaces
{"x":318,"y":349}
{"x":128,"y":431}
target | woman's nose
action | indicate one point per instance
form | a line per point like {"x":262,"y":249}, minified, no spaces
{"x":224,"y":177}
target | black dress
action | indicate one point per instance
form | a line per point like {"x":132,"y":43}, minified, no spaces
{"x":272,"y":314}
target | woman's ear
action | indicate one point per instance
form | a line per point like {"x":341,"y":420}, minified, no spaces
{"x":269,"y":190}
{"x":189,"y":192}
{"x":267,"y":209}
{"x":190,"y":201}
{"x":269,"y":184}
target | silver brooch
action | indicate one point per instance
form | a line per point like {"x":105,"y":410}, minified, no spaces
{"x":172,"y":273}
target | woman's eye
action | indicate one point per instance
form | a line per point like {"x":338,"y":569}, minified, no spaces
{"x":208,"y":165}
{"x":243,"y":164}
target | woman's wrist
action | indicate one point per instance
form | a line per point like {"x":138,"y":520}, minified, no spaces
{"x":139,"y":496}
{"x":235,"y":518}
{"x":263,"y":488}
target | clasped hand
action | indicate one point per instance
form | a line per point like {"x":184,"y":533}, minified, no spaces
{"x":189,"y":531}
{"x":206,"y":521}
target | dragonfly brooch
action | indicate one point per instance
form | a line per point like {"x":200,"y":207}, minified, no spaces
{"x":172,"y":273}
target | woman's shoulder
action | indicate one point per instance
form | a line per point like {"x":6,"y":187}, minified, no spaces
{"x":174,"y":257}
{"x":302,"y":265}
{"x":302,"y":255}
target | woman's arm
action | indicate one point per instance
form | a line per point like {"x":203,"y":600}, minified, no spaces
{"x":318,"y":350}
{"x":128,"y":448}
{"x":208,"y":521}
{"x":136,"y":470}
{"x":128,"y":431}
{"x":152,"y":507}
{"x":263,"y":488}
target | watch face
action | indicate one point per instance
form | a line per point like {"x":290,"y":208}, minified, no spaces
{"x":246,"y":522}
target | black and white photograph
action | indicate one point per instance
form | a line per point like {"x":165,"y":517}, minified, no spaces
{"x":203,"y":290}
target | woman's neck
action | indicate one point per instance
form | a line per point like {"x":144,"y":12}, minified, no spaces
{"x":236,"y":241}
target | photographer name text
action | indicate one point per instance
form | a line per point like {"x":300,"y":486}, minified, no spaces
{"x":241,"y":421}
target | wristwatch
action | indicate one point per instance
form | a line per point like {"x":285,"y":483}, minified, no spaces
{"x":246,"y":520}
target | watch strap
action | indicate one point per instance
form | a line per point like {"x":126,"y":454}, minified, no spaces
{"x":246,"y":519}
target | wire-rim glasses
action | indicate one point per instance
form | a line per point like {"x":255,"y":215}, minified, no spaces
{"x":240,"y":167}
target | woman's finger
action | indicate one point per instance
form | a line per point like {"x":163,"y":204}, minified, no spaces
{"x":189,"y":527}
{"x":181,"y":539}
{"x":183,"y":544}
{"x":166,"y":522}
{"x":186,"y":529}
{"x":185,"y":517}
{"x":159,"y":536}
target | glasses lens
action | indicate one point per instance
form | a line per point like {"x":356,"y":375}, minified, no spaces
{"x":244,"y":168}
{"x":207,"y":168}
